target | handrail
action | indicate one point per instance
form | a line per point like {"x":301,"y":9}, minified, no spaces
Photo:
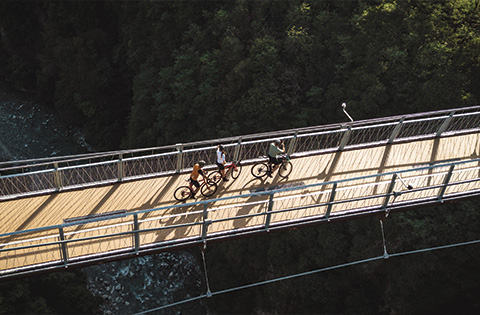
{"x":100,"y":168}
{"x":127,"y":219}
{"x":72,"y":158}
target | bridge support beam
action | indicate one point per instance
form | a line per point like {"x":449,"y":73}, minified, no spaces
{"x":330,"y":202}
{"x":206,"y":223}
{"x":292,"y":144}
{"x":445,"y":182}
{"x":345,"y":138}
{"x":389,"y":192}
{"x":445,"y":124}
{"x":238,"y":146}
{"x":179,"y":158}
{"x":120,"y":167}
{"x":136,"y":236}
{"x":396,"y":131}
{"x":268,"y":217}
{"x":57,"y":177}
{"x":63,"y":246}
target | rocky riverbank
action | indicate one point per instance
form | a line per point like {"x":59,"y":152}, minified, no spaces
{"x":28,"y":131}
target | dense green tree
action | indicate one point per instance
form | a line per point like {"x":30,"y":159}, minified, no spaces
{"x":146,"y":73}
{"x":56,"y":293}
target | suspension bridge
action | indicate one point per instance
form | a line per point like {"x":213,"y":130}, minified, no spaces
{"x":77,"y":210}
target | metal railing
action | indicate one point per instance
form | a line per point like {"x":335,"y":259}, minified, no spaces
{"x":188,"y":224}
{"x":19,"y":178}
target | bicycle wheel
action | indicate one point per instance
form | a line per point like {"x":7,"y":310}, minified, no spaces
{"x":182,"y":193}
{"x":215,"y":176}
{"x":235,"y":172}
{"x":210,"y":190}
{"x":285,"y":169}
{"x":259,"y":170}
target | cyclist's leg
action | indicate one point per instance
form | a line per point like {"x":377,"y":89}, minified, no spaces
{"x":196,"y":184}
{"x":276,"y":164}
{"x":221,"y":167}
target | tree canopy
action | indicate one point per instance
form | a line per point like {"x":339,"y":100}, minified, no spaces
{"x":145,"y":73}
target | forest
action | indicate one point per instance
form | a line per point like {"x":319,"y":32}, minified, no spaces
{"x":133,"y":74}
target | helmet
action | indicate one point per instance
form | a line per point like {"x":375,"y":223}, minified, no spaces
{"x":201,"y":163}
{"x":220,"y":147}
{"x":277,"y":141}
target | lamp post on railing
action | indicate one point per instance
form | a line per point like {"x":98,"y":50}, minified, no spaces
{"x":346,"y":135}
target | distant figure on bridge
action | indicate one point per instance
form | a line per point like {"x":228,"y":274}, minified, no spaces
{"x":276,"y":148}
{"x":197,"y":171}
{"x":221,"y":160}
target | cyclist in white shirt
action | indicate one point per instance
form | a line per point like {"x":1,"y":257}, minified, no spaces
{"x":221,"y":160}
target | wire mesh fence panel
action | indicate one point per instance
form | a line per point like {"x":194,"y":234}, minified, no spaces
{"x":467,"y":179}
{"x":367,"y":135}
{"x":99,"y":237}
{"x":411,"y":129}
{"x":241,"y":214}
{"x":306,"y":143}
{"x":300,"y":206}
{"x":87,"y":174}
{"x":464,"y":122}
{"x":175,"y":227}
{"x":29,"y":252}
{"x":27,"y":183}
{"x":138,"y":167}
{"x":253,"y":150}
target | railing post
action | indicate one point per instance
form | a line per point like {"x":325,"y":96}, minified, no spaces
{"x":269,"y":212}
{"x":330,"y":202}
{"x":57,"y":177}
{"x":345,"y":138}
{"x":206,"y":223}
{"x":136,"y":236}
{"x":292,"y":143}
{"x":396,"y":131}
{"x":179,"y":158}
{"x":120,"y":167}
{"x":445,"y":182}
{"x":445,"y":124}
{"x":389,"y":191}
{"x":63,"y":246}
{"x":238,"y":146}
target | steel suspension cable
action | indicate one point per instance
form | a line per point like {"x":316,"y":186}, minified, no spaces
{"x":310,"y":273}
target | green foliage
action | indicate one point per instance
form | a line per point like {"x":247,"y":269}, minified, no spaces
{"x":56,"y":293}
{"x":146,"y":73}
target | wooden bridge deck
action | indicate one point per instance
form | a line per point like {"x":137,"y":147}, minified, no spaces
{"x":46,"y":210}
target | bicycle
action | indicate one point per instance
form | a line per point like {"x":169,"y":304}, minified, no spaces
{"x":261,"y":169}
{"x":182,"y":193}
{"x":233,"y":169}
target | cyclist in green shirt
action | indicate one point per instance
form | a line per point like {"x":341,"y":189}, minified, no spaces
{"x":276,"y":148}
